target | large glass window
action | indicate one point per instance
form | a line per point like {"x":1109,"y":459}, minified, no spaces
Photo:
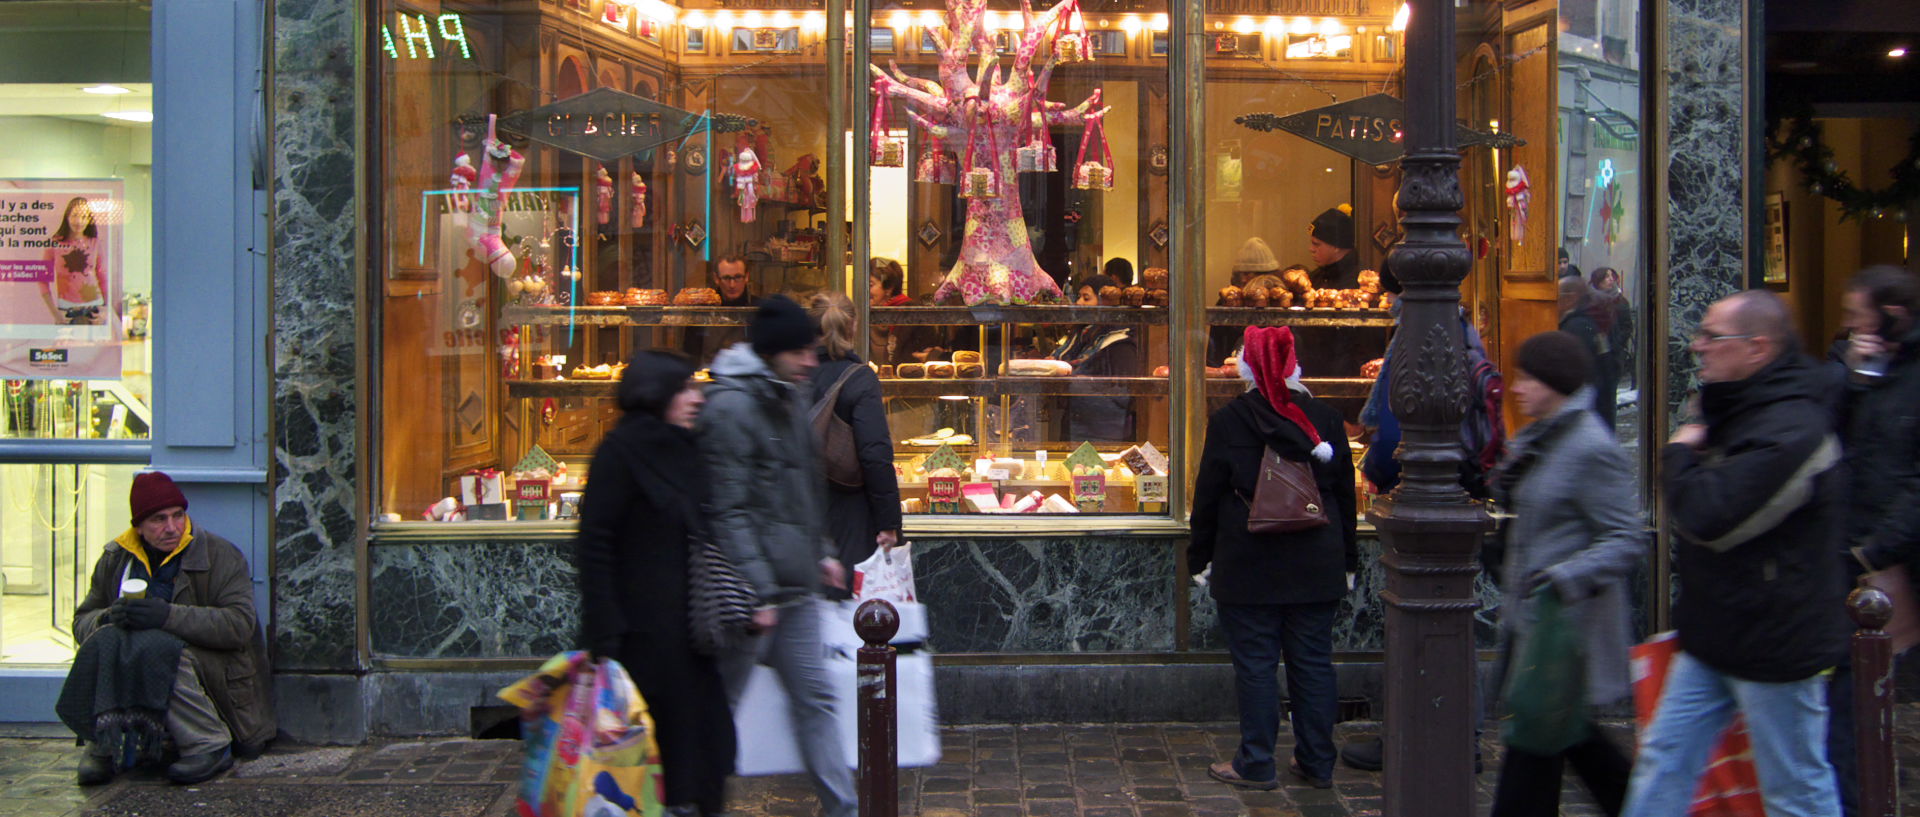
{"x":76,"y":277}
{"x":564,"y":184}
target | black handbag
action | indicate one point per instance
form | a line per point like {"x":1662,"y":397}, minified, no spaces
{"x":720,"y":600}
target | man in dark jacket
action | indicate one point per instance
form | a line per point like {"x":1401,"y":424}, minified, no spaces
{"x":1880,"y":427}
{"x":1754,"y":495}
{"x":197,"y":589}
{"x":769,"y":515}
{"x":1276,"y":592}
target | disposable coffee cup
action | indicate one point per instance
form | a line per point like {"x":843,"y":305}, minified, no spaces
{"x":133,"y":589}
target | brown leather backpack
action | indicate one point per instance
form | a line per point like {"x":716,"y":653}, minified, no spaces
{"x":1285,"y":498}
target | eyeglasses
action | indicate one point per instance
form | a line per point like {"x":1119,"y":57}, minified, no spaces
{"x":1705,"y":336}
{"x":733,"y":277}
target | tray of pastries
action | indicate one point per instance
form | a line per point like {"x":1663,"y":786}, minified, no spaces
{"x":696,"y":296}
{"x":645,"y":297}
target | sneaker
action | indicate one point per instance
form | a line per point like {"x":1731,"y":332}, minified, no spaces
{"x":1367,"y":755}
{"x":95,"y":770}
{"x":202,"y":767}
{"x":1224,"y":772}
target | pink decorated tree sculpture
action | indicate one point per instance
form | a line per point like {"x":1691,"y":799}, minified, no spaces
{"x":989,"y":114}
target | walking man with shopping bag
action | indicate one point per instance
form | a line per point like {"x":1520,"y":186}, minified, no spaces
{"x":769,"y":515}
{"x":1755,"y":499}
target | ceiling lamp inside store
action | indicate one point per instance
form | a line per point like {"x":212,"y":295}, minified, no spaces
{"x":695,"y":19}
{"x":1160,"y":22}
{"x":1400,"y":18}
{"x":134,"y":104}
{"x":106,"y":89}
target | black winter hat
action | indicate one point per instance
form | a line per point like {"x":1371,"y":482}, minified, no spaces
{"x":1335,"y":227}
{"x":781,"y":326}
{"x":1557,"y":359}
{"x":652,"y":378}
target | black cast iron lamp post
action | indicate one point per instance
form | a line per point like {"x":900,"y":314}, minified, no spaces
{"x":1428,"y":527}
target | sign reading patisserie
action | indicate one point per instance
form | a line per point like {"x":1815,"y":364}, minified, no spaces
{"x":604,"y":124}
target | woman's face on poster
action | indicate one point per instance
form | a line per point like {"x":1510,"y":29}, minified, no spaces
{"x":79,"y":217}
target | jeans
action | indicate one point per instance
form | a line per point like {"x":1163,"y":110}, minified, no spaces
{"x":1258,"y":636}
{"x":1840,"y":743}
{"x":1530,"y":783}
{"x":1787,"y":723}
{"x":795,"y":651}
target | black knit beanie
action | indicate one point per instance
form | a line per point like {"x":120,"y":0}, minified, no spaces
{"x":1557,"y":359}
{"x":652,"y":378}
{"x":1333,"y":227}
{"x":780,"y":326}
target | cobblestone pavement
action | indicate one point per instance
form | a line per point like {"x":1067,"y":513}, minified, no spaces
{"x":1044,"y":770}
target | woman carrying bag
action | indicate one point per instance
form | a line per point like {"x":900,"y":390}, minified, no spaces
{"x":1273,"y":538}
{"x":855,"y":445}
{"x":1572,"y":544}
{"x":641,"y":513}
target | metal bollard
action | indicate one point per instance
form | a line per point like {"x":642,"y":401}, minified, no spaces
{"x":1873,"y":700}
{"x":876,"y":621}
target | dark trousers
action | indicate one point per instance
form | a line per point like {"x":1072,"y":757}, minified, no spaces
{"x":1258,"y":637}
{"x":1530,"y":783}
{"x":1841,"y":749}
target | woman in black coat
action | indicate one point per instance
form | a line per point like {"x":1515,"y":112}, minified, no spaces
{"x":858,"y":518}
{"x":1277,"y":592}
{"x":643,"y":504}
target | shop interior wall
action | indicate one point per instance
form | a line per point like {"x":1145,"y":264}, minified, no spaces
{"x":1824,"y":250}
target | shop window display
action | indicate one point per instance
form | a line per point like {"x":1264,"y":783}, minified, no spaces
{"x":556,"y":195}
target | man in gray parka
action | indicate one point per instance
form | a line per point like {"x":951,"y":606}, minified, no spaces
{"x":769,"y":515}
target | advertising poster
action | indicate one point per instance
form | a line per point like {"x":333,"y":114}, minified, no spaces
{"x":60,"y":278}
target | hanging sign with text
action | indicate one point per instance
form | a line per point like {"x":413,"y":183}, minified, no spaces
{"x":1369,"y":128}
{"x":60,"y":278}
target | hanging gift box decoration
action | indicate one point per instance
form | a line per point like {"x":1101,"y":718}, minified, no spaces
{"x":1036,"y":153}
{"x":1072,"y":45}
{"x":887,"y":150}
{"x":1094,"y":173}
{"x":937,"y":165}
{"x":982,"y":181}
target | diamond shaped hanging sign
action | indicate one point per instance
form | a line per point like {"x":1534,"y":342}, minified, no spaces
{"x":604,"y":124}
{"x":1369,"y":128}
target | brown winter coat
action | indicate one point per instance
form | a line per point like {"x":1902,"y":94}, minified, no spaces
{"x":213,"y":612}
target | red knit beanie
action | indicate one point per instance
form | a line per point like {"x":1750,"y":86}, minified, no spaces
{"x":1268,"y":352}
{"x":152,"y":493}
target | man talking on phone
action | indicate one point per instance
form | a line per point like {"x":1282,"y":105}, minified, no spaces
{"x":1879,"y":425}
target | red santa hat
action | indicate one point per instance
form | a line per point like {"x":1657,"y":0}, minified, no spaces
{"x":463,"y":169}
{"x":1267,"y":352}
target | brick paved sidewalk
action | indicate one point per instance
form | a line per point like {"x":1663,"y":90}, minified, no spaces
{"x":1045,"y":770}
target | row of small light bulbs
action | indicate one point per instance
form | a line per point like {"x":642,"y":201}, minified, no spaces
{"x":1133,"y":24}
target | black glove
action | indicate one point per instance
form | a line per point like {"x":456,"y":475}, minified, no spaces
{"x":117,"y":612}
{"x":146,"y":614}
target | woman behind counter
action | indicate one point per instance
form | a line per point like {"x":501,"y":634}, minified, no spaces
{"x":858,"y":518}
{"x":643,"y":505}
{"x":1575,"y":529}
{"x":1277,"y":592}
{"x":1100,"y":351}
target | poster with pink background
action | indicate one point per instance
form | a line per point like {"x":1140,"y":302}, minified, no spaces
{"x":60,"y":278}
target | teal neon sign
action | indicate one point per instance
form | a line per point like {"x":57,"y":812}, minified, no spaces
{"x":417,"y":33}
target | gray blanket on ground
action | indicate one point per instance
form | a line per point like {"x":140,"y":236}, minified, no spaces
{"x":116,"y":694}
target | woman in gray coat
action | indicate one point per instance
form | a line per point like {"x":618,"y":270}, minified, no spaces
{"x":1576,"y":528}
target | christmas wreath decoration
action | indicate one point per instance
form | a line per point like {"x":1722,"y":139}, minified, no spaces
{"x":1801,"y":145}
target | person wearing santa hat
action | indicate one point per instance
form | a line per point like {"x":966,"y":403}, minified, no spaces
{"x":170,"y":648}
{"x":1277,"y":592}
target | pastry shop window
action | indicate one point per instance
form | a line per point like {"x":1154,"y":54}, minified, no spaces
{"x":556,"y":188}
{"x":1018,"y":292}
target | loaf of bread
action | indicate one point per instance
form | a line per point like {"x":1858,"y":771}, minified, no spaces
{"x":646,"y":297}
{"x":912,"y":371}
{"x":1111,"y":296}
{"x":1280,"y":298}
{"x":886,"y":370}
{"x":939,"y":368}
{"x":1298,"y":280}
{"x":1371,"y":368}
{"x":1154,"y":278}
{"x":697,"y":296}
{"x":1043,"y":367}
{"x":964,"y":356}
{"x":1134,"y":296}
{"x":604,"y":298}
{"x":1254,"y":296}
{"x":1161,"y":371}
{"x":1159,"y":297}
{"x":970,"y":370}
{"x":1369,"y":281}
{"x":1230,"y":296}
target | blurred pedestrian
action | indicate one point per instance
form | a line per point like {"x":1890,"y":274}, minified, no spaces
{"x":1575,"y":529}
{"x":1880,"y":434}
{"x":1754,"y":499}
{"x":1277,"y":592}
{"x":641,"y":512}
{"x":863,"y":516}
{"x":1612,"y":313}
{"x":769,"y":515}
{"x":1576,"y":319}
